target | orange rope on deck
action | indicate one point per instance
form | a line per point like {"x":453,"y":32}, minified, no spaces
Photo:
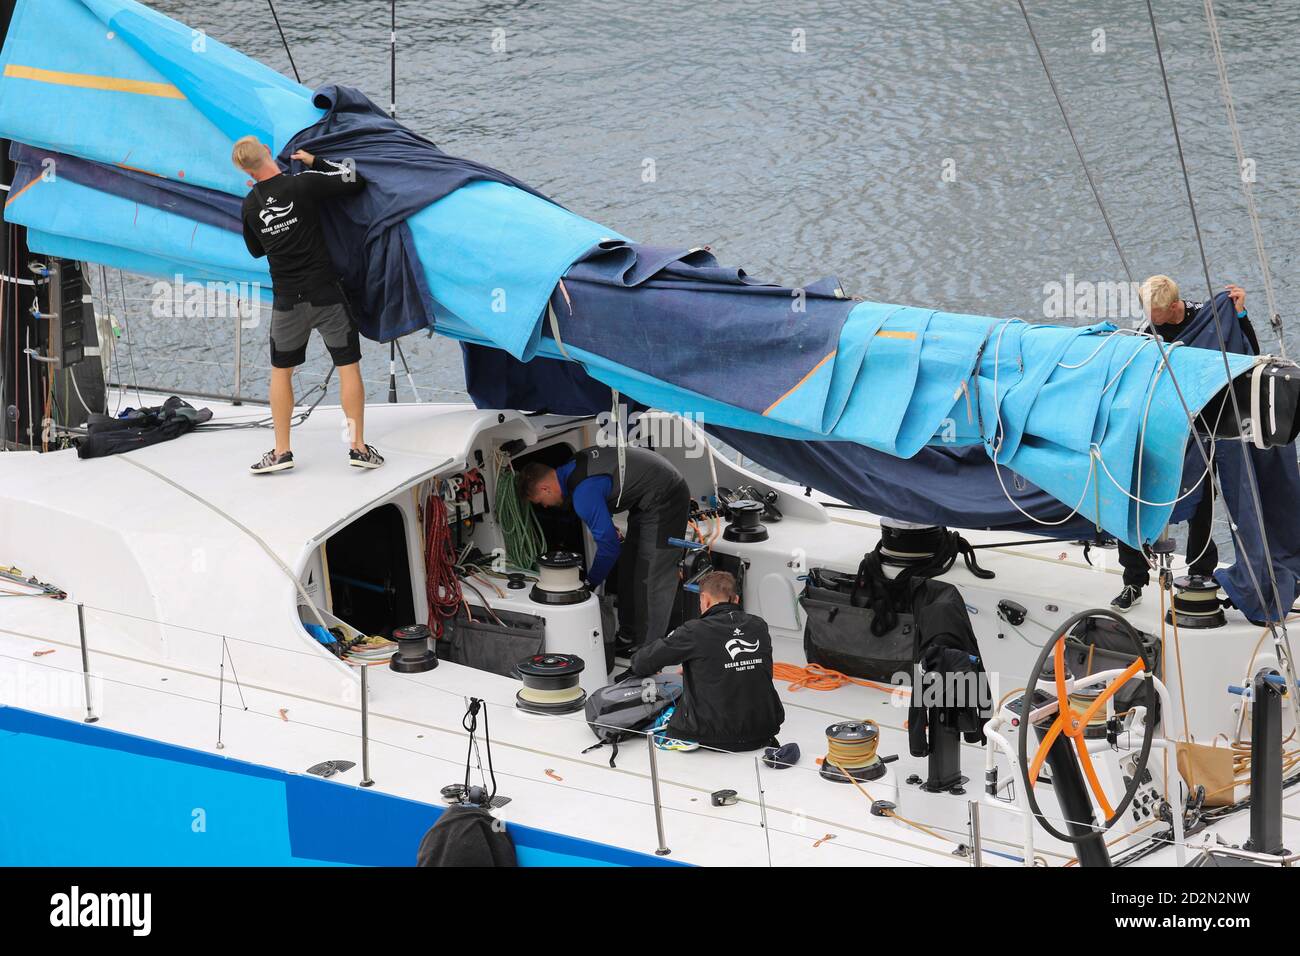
{"x":816,"y":677}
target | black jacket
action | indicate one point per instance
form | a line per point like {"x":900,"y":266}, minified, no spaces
{"x":466,"y":836}
{"x":728,"y":699}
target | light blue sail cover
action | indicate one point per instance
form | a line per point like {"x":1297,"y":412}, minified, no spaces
{"x":1090,"y":414}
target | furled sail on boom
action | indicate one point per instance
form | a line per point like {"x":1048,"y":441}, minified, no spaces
{"x":123,"y":121}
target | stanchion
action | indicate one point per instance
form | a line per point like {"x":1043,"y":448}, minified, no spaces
{"x":85,"y":663}
{"x":365,"y":729}
{"x":662,"y":849}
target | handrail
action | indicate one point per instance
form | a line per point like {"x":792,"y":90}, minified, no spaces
{"x":1218,"y":849}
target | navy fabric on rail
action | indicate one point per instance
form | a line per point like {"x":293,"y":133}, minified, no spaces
{"x":956,"y":487}
{"x":626,"y":294}
{"x":404,"y":173}
{"x":1278,"y":480}
{"x":194,"y":202}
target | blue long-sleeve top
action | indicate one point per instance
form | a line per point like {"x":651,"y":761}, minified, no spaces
{"x":589,"y":502}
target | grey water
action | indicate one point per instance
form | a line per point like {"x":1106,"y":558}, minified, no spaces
{"x":911,"y":149}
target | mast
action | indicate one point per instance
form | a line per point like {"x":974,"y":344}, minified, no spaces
{"x":16,"y":325}
{"x":46,"y":331}
{"x":392,"y":112}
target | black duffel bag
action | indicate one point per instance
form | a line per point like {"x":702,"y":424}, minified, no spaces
{"x":838,"y":634}
{"x":488,"y":646}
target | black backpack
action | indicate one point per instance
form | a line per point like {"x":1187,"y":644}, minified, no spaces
{"x":619,"y":711}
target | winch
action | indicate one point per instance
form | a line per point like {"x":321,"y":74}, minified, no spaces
{"x":1196,"y":603}
{"x":904,"y":544}
{"x":414,"y":654}
{"x":550,"y":684}
{"x":851,"y":752}
{"x":926,"y":550}
{"x":745,"y":525}
{"x":1083,"y":698}
{"x":558,"y":580}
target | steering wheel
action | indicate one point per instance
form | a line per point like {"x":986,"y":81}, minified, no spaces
{"x":1073,"y":723}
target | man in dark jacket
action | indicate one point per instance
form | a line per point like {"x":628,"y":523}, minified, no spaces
{"x":728,"y":699}
{"x":658,"y":503}
{"x":1170,"y":316}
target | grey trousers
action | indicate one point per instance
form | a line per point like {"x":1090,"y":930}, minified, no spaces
{"x":647,"y":573}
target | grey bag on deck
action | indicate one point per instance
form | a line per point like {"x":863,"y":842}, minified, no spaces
{"x":487,"y":646}
{"x":838,"y":635}
{"x":623,"y":710}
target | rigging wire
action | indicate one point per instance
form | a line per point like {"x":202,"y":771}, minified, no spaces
{"x":271,"y":4}
{"x":1225,"y":88}
{"x":1223,"y":346}
{"x":1060,"y":103}
{"x":1206,"y":456}
{"x":130,"y":340}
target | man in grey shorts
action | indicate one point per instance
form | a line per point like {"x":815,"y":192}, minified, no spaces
{"x":281,"y":222}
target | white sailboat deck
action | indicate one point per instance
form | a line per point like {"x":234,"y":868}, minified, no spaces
{"x":151,"y":544}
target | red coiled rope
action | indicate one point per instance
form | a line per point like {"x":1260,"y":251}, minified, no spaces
{"x":441,"y":583}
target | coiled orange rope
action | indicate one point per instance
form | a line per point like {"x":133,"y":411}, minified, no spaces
{"x":816,"y":677}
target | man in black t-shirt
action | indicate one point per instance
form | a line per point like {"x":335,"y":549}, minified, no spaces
{"x":282,"y":223}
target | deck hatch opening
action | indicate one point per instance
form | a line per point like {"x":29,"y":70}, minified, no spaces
{"x":370,"y":572}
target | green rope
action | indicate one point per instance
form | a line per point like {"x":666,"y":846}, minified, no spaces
{"x":520,"y":529}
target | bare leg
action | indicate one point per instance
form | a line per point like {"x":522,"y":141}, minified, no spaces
{"x":352,"y":395}
{"x":281,"y":406}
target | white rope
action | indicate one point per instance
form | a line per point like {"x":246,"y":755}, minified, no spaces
{"x":997,"y":468}
{"x":257,"y":539}
{"x":621,"y":441}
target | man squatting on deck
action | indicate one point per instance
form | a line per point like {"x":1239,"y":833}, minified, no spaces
{"x":728,"y":699}
{"x":282,"y":223}
{"x":1169,"y":316}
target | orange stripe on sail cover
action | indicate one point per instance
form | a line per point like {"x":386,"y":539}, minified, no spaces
{"x":795,"y":387}
{"x":89,"y":81}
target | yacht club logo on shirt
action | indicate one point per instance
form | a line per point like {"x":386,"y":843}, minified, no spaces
{"x":271,"y":213}
{"x":738,"y":645}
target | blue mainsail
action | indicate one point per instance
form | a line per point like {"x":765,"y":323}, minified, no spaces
{"x":123,"y":121}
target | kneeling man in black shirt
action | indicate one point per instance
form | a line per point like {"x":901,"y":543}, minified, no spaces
{"x":728,"y":700}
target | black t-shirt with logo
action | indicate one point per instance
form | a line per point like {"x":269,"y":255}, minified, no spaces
{"x":282,"y":222}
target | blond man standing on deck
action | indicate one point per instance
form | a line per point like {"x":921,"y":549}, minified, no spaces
{"x":1169,"y":315}
{"x":281,"y":222}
